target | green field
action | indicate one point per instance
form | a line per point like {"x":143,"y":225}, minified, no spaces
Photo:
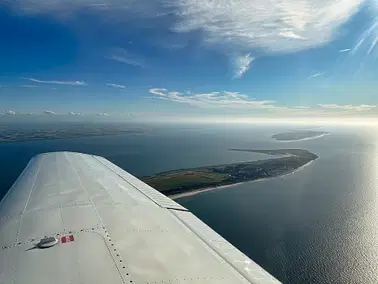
{"x":184,"y":180}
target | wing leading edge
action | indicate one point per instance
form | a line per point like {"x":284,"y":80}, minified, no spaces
{"x":111,"y":228}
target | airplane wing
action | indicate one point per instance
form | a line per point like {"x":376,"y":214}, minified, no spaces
{"x":77,"y":218}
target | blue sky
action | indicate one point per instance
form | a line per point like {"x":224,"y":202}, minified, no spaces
{"x":190,"y":58}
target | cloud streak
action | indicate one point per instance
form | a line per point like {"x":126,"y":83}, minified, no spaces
{"x":316,"y":75}
{"x":72,"y":83}
{"x":275,"y":26}
{"x":242,"y":65}
{"x":302,"y":107}
{"x":49,"y":112}
{"x":230,"y":100}
{"x":121,"y":55}
{"x":242,"y":102}
{"x":29,"y":86}
{"x":10,"y":112}
{"x":270,"y":26}
{"x":115,"y":86}
{"x":368,"y":39}
{"x":244,"y":27}
{"x":352,"y":108}
{"x":71,"y":113}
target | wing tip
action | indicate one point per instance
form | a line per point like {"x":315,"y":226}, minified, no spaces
{"x":62,"y":153}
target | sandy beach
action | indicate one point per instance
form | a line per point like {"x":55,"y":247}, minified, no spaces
{"x":202,"y":190}
{"x":304,"y":139}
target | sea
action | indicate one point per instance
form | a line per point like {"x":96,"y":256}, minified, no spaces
{"x":316,"y":225}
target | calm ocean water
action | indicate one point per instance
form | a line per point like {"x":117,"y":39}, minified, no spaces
{"x":318,"y":225}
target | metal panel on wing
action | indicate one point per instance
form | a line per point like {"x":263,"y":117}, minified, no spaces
{"x":150,"y":192}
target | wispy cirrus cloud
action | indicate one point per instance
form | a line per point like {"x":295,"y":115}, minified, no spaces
{"x":230,"y":100}
{"x":115,"y":86}
{"x":72,"y":83}
{"x":275,"y":26}
{"x":251,"y":27}
{"x":353,"y":108}
{"x":369,"y":38}
{"x":71,"y":113}
{"x":10,"y":112}
{"x":269,"y":26}
{"x":123,"y":56}
{"x":319,"y":74}
{"x":29,"y":86}
{"x":49,"y":112}
{"x":242,"y":64}
{"x":237,"y":101}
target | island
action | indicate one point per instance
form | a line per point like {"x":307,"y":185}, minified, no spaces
{"x":183,"y":181}
{"x":297,"y":135}
{"x":17,"y":133}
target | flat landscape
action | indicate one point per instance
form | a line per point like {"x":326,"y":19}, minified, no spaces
{"x":186,"y":180}
{"x":299,"y":135}
{"x":16,"y":133}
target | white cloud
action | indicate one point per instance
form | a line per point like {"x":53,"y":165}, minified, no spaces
{"x":345,"y":50}
{"x":352,"y":108}
{"x":116,"y":86}
{"x":124,"y":60}
{"x":301,"y":107}
{"x":73,"y":83}
{"x":242,"y":102}
{"x":74,"y":113}
{"x":100,"y":5}
{"x":230,"y":100}
{"x":49,"y":112}
{"x":373,"y":44}
{"x":275,"y":26}
{"x":316,"y":75}
{"x":270,"y":26}
{"x":290,"y":34}
{"x":242,"y":64}
{"x":103,"y":114}
{"x":123,"y":56}
{"x":234,"y":26}
{"x":368,"y":39}
{"x":10,"y":112}
{"x":29,"y":86}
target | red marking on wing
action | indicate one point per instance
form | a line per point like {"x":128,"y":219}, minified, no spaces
{"x":67,"y":239}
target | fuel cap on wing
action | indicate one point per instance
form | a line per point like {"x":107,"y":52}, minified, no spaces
{"x":47,"y":242}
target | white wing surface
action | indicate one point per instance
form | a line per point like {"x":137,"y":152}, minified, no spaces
{"x":102,"y":225}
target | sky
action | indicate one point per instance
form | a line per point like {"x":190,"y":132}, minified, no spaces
{"x":230,"y":59}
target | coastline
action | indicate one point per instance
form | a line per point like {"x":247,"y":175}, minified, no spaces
{"x":66,"y":138}
{"x":298,"y":169}
{"x":207,"y":189}
{"x":303,"y":139}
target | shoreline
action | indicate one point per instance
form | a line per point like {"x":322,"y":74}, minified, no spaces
{"x":303,"y":139}
{"x":66,"y":138}
{"x":298,"y":169}
{"x":207,"y":189}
